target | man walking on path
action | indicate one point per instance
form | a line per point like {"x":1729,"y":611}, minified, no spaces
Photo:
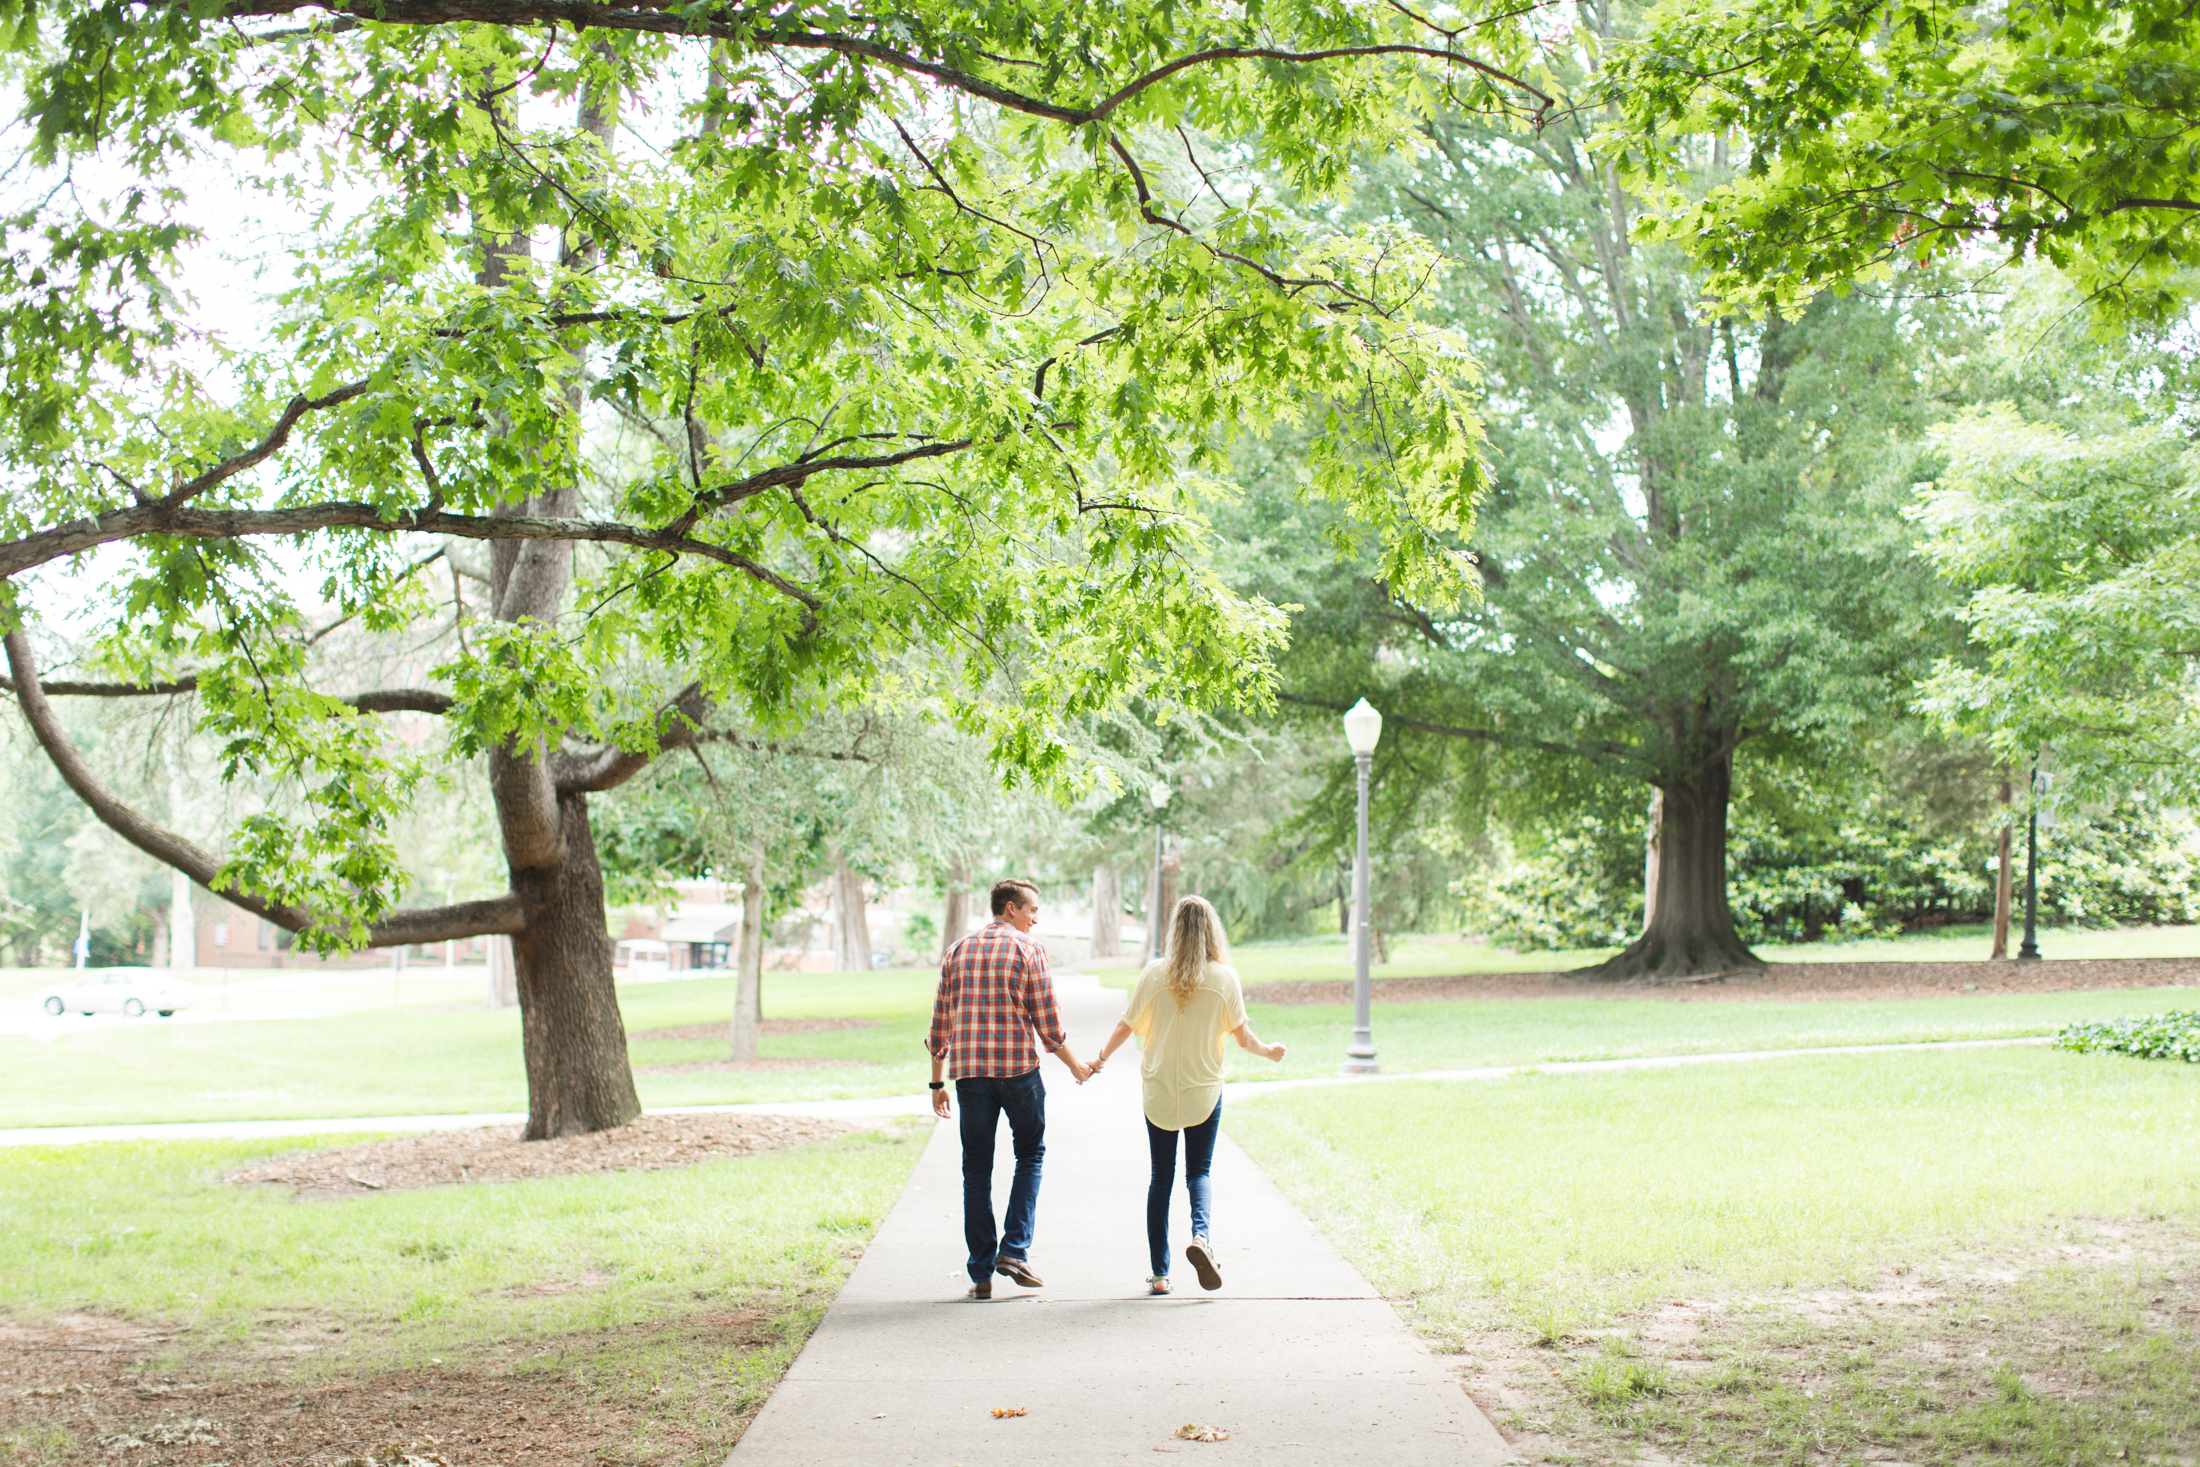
{"x":996,"y":994}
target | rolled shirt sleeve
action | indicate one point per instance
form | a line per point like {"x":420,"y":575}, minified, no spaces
{"x":1039,"y":1005}
{"x":943,"y":1012}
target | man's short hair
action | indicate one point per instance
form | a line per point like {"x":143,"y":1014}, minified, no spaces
{"x":1014,"y":889}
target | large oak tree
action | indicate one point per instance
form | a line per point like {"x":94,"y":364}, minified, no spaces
{"x":1692,"y":552}
{"x":932,"y":315}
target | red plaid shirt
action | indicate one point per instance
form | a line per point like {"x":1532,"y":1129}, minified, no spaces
{"x":995,"y":993}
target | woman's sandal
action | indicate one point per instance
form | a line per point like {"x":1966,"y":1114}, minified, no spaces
{"x":1158,"y":1284}
{"x":1201,"y":1255}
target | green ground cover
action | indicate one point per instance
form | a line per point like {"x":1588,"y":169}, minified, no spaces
{"x":1474,"y":1033}
{"x":404,"y":1062}
{"x":462,"y":1060}
{"x":1926,"y":1255}
{"x":454,"y":1277}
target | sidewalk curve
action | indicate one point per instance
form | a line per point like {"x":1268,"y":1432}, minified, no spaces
{"x":1297,"y":1357}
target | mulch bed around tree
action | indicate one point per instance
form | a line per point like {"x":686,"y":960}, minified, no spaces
{"x":1794,"y":981}
{"x":83,"y":1384}
{"x":496,"y":1154}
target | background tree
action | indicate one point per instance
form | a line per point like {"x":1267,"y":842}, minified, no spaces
{"x":930,"y":346}
{"x":1693,"y":547}
{"x":1877,"y":133}
{"x":2065,"y":516}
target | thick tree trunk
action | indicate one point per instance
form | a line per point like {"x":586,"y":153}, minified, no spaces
{"x":1650,"y":861}
{"x":1692,"y":935}
{"x":503,"y":977}
{"x":1164,"y":906}
{"x":955,"y":920}
{"x":578,"y":1076}
{"x":1107,"y":912}
{"x":748,"y":982}
{"x":851,"y":919}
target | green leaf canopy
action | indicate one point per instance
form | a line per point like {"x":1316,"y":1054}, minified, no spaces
{"x":917,"y":330}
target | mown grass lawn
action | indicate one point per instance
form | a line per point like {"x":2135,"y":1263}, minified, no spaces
{"x":441,"y":1060}
{"x":586,"y":1277}
{"x":1474,"y":1033}
{"x":1948,"y":1256}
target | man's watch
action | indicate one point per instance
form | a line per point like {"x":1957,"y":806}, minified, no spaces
{"x":939,"y":1084}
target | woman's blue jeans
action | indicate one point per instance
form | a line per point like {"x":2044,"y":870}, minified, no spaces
{"x":1199,"y":1156}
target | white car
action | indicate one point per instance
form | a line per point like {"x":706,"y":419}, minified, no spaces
{"x":128,"y":991}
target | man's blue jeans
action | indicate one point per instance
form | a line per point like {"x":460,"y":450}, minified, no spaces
{"x":985,"y":1099}
{"x":1199,"y":1158}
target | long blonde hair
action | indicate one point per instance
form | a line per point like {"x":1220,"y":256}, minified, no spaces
{"x":1195,"y":940}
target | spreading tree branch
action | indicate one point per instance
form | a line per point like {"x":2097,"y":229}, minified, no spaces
{"x":383,"y":700}
{"x":743,"y":28}
{"x":677,"y":724}
{"x":427,"y":924}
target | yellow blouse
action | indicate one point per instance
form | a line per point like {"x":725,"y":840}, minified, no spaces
{"x":1182,"y":1049}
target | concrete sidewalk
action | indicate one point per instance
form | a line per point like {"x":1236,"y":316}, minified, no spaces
{"x":1296,"y":1357}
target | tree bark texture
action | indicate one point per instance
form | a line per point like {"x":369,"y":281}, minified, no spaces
{"x":503,"y":977}
{"x":1692,"y":934}
{"x":1650,"y":861}
{"x":1107,"y":912}
{"x":748,"y":982}
{"x":851,"y":919}
{"x":1164,"y":906}
{"x":955,"y":920}
{"x":579,"y":1078}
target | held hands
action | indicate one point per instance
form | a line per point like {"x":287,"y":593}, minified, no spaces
{"x":1083,"y":1072}
{"x":1273,"y":1051}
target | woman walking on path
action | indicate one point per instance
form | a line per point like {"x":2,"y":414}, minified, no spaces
{"x":1182,"y":1008}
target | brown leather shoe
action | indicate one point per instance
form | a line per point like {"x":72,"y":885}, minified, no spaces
{"x":980,"y":1292}
{"x":1020,"y":1271}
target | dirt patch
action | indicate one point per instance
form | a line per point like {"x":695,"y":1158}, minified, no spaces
{"x":496,"y":1154}
{"x":771,"y":1028}
{"x":1793,"y":981}
{"x":2076,"y":1342}
{"x":567,"y":1401}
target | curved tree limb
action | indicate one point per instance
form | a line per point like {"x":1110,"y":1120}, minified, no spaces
{"x":160,"y":518}
{"x":428,"y":924}
{"x":678,"y":722}
{"x":384,"y":700}
{"x":1602,"y":752}
{"x":647,"y":16}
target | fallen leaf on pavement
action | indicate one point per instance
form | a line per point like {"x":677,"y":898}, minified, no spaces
{"x":1010,"y":1411}
{"x":1192,"y":1431}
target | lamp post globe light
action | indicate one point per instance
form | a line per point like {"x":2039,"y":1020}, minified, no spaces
{"x":1156,"y":936}
{"x":1363,"y":726}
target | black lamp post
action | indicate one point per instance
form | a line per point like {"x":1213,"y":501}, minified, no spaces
{"x":2029,"y":952}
